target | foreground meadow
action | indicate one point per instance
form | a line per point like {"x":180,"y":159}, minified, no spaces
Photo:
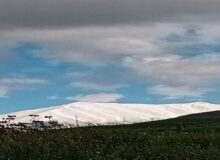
{"x":186,"y":138}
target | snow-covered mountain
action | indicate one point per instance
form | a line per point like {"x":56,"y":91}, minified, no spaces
{"x":85,"y":113}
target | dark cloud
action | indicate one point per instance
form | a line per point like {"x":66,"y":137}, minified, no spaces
{"x":71,"y":13}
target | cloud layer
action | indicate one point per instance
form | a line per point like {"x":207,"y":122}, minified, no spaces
{"x":8,"y":85}
{"x":74,"y":13}
{"x":170,"y":46}
{"x":98,"y":97}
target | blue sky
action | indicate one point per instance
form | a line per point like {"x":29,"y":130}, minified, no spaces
{"x":106,"y":55}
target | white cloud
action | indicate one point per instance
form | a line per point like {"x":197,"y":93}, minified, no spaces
{"x":175,"y":92}
{"x":8,"y":85}
{"x":176,"y":76}
{"x":99,"y":97}
{"x":96,"y":86}
{"x":92,"y":46}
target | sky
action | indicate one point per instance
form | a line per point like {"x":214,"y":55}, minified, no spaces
{"x":55,"y":52}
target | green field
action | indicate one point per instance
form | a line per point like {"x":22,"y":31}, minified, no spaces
{"x":192,"y":137}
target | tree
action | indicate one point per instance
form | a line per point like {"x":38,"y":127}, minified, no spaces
{"x":9,"y":119}
{"x":33,"y":117}
{"x":48,"y":117}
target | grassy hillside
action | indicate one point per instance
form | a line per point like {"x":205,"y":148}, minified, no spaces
{"x":201,"y":120}
{"x":185,"y":138}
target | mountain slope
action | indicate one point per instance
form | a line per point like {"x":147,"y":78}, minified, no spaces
{"x":85,"y":113}
{"x":207,"y":120}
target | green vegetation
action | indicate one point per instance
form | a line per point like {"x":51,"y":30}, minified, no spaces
{"x":191,"y":137}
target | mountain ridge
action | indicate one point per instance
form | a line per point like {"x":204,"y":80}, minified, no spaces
{"x":90,"y":113}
